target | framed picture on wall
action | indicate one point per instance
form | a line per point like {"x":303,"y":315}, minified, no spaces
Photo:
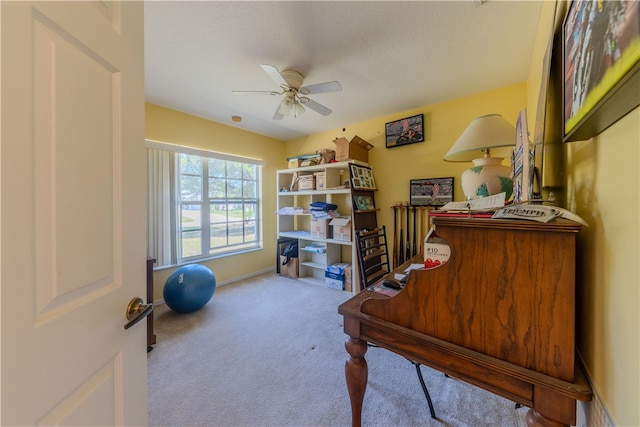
{"x":431,"y":191}
{"x":601,"y":65}
{"x":406,"y":131}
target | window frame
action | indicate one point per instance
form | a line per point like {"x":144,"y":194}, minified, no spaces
{"x":205,"y":200}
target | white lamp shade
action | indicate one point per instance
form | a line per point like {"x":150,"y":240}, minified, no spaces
{"x":288,"y":104}
{"x":490,"y":134}
{"x":298,"y":109}
{"x":485,"y":132}
{"x":285,"y":106}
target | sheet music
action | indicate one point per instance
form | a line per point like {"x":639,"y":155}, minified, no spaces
{"x":475,"y":205}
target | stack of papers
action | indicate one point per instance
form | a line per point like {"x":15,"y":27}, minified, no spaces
{"x":476,"y":205}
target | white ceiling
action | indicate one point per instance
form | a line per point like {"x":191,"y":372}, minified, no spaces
{"x":389,"y":57}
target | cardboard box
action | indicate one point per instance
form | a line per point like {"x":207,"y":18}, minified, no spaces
{"x":335,"y":275}
{"x":356,"y":149}
{"x":328,"y":179}
{"x":293,"y":162}
{"x":348,"y":278}
{"x":341,"y":228}
{"x":304,"y":160}
{"x":320,"y":228}
{"x":334,"y":283}
{"x":307,"y":182}
{"x":321,"y":180}
{"x":310,"y":161}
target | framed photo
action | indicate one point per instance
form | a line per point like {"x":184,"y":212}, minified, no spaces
{"x":405,"y":131}
{"x":363,"y":203}
{"x":431,"y":191}
{"x":361,"y":177}
{"x":523,"y":161}
{"x":601,"y":65}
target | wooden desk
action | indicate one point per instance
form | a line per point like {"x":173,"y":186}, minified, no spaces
{"x":500,"y":314}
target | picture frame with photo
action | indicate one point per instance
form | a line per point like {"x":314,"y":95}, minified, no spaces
{"x":405,"y":131}
{"x":361,"y":177}
{"x":431,"y":191}
{"x":601,"y":66}
{"x":363,"y":203}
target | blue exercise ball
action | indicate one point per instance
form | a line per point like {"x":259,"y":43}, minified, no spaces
{"x":189,"y":288}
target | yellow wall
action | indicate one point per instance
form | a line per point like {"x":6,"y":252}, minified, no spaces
{"x":393,"y":168}
{"x":174,"y":127}
{"x":601,"y":182}
{"x":603,"y":188}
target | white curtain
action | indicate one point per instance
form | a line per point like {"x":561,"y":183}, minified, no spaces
{"x":160,"y":208}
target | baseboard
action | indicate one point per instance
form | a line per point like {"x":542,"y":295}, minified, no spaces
{"x":160,"y":301}
{"x":594,"y":412}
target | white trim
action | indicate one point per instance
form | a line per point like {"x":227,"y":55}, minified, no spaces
{"x":202,"y":153}
{"x":231,"y":281}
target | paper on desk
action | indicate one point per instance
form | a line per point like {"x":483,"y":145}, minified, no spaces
{"x":413,"y":267}
{"x":482,"y":204}
{"x":381,"y":289}
{"x":400,"y":276}
{"x":540,"y":213}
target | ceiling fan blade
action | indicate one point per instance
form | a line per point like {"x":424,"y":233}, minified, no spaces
{"x":274,"y":74}
{"x":321,"y":88}
{"x":256,"y":92}
{"x":318,"y":108}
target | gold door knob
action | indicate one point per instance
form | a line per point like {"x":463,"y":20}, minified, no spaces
{"x":136,"y":311}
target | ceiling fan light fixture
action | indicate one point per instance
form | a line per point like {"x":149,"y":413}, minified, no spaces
{"x":298,"y":109}
{"x":285,"y":106}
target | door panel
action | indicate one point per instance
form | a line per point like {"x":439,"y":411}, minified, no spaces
{"x":73,"y":213}
{"x":75,"y":201}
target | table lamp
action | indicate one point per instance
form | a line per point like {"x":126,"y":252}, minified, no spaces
{"x":485,"y":135}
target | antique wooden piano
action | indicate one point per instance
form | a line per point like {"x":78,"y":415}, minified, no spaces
{"x":499,"y":314}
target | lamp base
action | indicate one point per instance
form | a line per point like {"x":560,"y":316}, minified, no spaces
{"x":487,"y":177}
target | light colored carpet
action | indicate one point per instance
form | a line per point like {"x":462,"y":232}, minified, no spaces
{"x":270,"y":352}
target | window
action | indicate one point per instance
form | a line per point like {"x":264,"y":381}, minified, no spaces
{"x":217,"y":204}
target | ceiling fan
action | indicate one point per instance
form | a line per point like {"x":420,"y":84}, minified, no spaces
{"x":295,"y":95}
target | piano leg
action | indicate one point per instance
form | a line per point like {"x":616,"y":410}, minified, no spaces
{"x":551,"y":408}
{"x":356,"y":372}
{"x":536,"y":419}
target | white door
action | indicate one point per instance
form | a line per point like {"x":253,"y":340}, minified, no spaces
{"x":72,"y":186}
